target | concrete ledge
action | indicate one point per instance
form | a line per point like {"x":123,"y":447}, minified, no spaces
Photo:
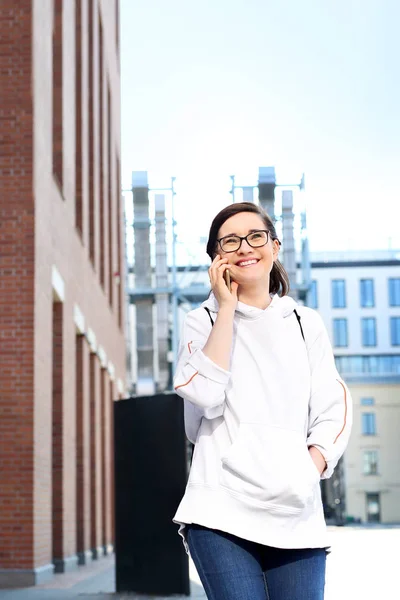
{"x":97,"y":552}
{"x":17,"y":578}
{"x":85,"y":558}
{"x":65,"y":565}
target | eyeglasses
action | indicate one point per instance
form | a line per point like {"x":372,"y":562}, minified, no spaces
{"x":255,"y":239}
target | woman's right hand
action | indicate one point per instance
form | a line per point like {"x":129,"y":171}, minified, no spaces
{"x":225,"y":298}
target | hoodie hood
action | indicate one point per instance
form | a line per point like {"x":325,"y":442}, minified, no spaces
{"x":284,"y":306}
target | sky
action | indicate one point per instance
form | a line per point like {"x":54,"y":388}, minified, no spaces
{"x":221,"y":87}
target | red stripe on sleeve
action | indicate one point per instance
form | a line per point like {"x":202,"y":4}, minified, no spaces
{"x":345,"y":412}
{"x":187,"y":383}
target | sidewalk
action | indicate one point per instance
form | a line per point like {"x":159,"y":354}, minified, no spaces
{"x":93,"y":582}
{"x":362,"y":558}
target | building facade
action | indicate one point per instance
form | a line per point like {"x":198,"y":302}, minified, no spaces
{"x":62,"y":352}
{"x":358,"y":297}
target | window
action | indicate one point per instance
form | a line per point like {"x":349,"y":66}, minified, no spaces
{"x":102,"y":204}
{"x":370,"y":462}
{"x":313,"y":294}
{"x":368,"y":331}
{"x":338,"y":293}
{"x":373,"y":503}
{"x":395,"y":331}
{"x":91,"y":137}
{"x":340,"y":332}
{"x":78,"y":120}
{"x":394,"y":291}
{"x":110,"y":200}
{"x":368,"y":424}
{"x":367,"y":401}
{"x":117,"y":34}
{"x":367,"y":296}
{"x":58,"y":141}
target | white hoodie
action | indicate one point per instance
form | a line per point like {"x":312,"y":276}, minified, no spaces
{"x":252,"y":475}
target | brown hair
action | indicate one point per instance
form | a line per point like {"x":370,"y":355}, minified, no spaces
{"x":278,"y":280}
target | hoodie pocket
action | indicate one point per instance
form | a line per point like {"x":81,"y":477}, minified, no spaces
{"x":272,"y":467}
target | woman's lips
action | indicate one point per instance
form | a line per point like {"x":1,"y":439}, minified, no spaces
{"x":247,"y":263}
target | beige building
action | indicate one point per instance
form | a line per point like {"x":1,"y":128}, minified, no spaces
{"x":372,"y":467}
{"x":358,"y":297}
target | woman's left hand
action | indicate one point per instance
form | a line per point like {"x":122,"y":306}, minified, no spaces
{"x":318,"y":459}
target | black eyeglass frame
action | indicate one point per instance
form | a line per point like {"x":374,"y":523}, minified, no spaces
{"x":241,"y":238}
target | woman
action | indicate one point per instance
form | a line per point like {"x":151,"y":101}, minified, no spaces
{"x":269,"y":416}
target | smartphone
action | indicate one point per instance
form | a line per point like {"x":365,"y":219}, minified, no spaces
{"x":227,"y":277}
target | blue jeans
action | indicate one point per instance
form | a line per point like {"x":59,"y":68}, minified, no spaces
{"x":231,"y":568}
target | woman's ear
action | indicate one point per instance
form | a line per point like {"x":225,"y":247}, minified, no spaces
{"x":276,"y":248}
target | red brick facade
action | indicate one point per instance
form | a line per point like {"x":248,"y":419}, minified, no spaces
{"x":62,"y":346}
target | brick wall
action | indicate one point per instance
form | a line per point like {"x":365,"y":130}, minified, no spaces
{"x":51,"y":432}
{"x":16,"y":287}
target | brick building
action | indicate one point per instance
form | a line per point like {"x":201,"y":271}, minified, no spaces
{"x":62,"y":343}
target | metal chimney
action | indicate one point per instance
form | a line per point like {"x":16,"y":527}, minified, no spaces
{"x":289,"y":251}
{"x":142,"y":269}
{"x":162,"y":303}
{"x":248,"y":194}
{"x":266,"y":189}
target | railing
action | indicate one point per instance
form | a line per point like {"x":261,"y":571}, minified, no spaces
{"x":355,"y":256}
{"x":371,"y":367}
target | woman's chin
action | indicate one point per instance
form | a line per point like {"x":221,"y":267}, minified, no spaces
{"x":251,"y":279}
{"x":243,"y":281}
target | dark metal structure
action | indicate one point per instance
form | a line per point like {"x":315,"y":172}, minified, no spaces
{"x":150,"y":480}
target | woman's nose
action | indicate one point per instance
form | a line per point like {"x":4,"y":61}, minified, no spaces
{"x":245,"y":246}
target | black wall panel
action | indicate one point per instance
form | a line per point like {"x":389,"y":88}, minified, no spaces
{"x":150,"y":479}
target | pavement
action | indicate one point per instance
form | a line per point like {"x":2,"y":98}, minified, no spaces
{"x":95,"y":581}
{"x":363,"y":565}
